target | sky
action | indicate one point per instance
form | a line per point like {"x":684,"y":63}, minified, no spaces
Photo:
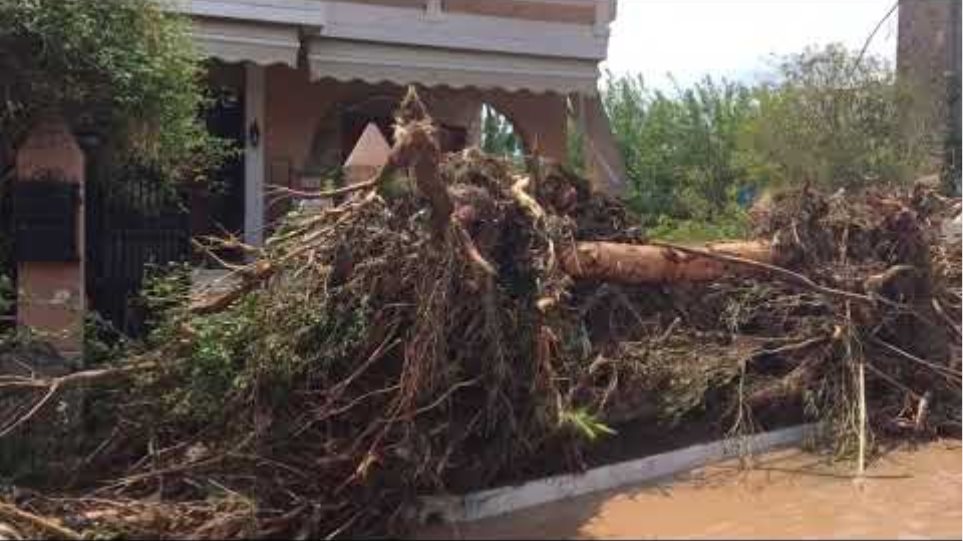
{"x":736,"y":38}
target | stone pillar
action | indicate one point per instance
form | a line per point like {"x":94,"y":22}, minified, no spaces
{"x":50,"y":296}
{"x":369,"y":154}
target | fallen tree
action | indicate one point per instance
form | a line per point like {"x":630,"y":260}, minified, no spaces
{"x":662,"y":264}
{"x":455,"y":322}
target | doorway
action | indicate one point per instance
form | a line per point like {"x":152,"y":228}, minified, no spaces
{"x":217,"y":208}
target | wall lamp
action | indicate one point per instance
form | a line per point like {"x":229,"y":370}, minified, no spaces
{"x":254,"y":134}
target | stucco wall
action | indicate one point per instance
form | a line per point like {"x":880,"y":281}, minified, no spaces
{"x":297,"y":110}
{"x":535,"y":10}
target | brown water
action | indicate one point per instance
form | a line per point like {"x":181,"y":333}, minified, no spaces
{"x":906,"y":494}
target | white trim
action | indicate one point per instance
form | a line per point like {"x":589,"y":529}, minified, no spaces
{"x":254,"y":100}
{"x":604,"y":15}
{"x":433,"y":10}
{"x":385,"y":24}
{"x":238,"y":41}
{"x":297,"y":12}
{"x":345,"y":60}
{"x":498,"y":501}
{"x":431,"y":26}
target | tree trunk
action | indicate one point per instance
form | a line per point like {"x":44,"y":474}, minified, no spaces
{"x":646,"y":264}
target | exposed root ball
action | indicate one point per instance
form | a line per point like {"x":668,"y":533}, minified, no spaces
{"x":440,"y":338}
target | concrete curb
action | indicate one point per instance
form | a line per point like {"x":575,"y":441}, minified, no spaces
{"x":498,"y":501}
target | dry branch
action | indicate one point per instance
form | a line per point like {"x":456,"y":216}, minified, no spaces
{"x":377,"y":354}
{"x":47,"y":526}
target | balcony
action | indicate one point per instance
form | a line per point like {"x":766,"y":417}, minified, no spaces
{"x":536,"y":45}
{"x":556,"y":28}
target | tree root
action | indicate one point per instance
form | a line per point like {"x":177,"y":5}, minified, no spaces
{"x":47,"y":526}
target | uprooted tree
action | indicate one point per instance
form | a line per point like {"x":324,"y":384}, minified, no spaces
{"x":454,"y":323}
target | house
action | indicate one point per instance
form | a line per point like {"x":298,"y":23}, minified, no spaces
{"x":300,"y":80}
{"x":297,"y":83}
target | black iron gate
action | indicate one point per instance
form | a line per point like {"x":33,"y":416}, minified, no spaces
{"x":8,"y":268}
{"x":133,"y":221}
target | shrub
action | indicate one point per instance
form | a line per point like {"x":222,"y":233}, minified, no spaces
{"x":695,"y":158}
{"x":123,"y":69}
{"x":834,"y":119}
{"x":682,"y":152}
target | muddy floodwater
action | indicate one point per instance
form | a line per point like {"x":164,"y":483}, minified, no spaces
{"x":906,"y":494}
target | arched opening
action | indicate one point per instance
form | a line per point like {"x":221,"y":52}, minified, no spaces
{"x":217,"y":206}
{"x":498,"y":135}
{"x":378,"y":109}
{"x":337,"y":132}
{"x":535,"y":121}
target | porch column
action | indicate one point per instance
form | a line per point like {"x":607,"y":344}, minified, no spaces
{"x":50,"y":294}
{"x":603,"y":162}
{"x":254,"y":99}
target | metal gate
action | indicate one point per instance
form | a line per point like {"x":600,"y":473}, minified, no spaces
{"x":133,"y":221}
{"x":8,"y":268}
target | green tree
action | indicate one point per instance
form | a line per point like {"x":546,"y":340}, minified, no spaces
{"x":835,"y":119}
{"x":497,"y":134}
{"x":124,"y":69}
{"x":681,"y":152}
{"x":829,"y":118}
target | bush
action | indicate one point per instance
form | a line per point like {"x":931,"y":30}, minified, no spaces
{"x":681,"y":152}
{"x":835,"y":120}
{"x":732,"y":225}
{"x":7,"y":294}
{"x":123,"y":69}
{"x":695,"y":158}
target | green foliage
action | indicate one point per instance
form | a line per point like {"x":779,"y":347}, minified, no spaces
{"x":7,"y":294}
{"x":224,"y":364}
{"x":217,"y":354}
{"x":585,"y":424}
{"x":732,"y":224}
{"x":575,"y":147}
{"x":497,"y":135}
{"x":123,"y":69}
{"x":835,"y":122}
{"x":216,"y":367}
{"x":827,"y":119}
{"x":952,"y":175}
{"x":682,"y":153}
{"x":166,"y":290}
{"x":103,"y":343}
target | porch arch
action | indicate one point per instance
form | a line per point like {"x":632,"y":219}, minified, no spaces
{"x":539,"y":119}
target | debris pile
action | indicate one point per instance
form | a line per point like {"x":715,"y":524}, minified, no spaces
{"x":454,"y":319}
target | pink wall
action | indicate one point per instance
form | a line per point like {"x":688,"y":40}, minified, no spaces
{"x":50,"y":298}
{"x":296,"y":108}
